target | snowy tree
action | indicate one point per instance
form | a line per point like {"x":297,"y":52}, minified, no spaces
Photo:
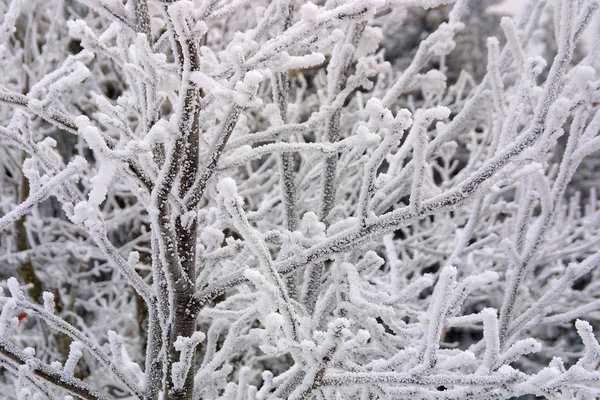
{"x":270,"y":199}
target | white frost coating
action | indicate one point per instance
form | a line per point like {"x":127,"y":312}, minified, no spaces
{"x":30,"y":171}
{"x":273,"y":323}
{"x":342,"y":225}
{"x":78,"y":29}
{"x":81,"y":212}
{"x":369,"y":42}
{"x":227,"y":188}
{"x":242,"y":154}
{"x":15,"y":288}
{"x":48,"y":142}
{"x":433,"y":83}
{"x":443,"y":42}
{"x":121,"y":357}
{"x":403,"y":119}
{"x":133,"y":259}
{"x":374,"y":4}
{"x":363,"y":138}
{"x":305,"y":107}
{"x":310,"y":225}
{"x":512,"y":37}
{"x":75,"y":353}
{"x":92,"y":136}
{"x":48,"y":302}
{"x":382,"y":116}
{"x":100,"y":184}
{"x":283,"y":62}
{"x":591,"y":356}
{"x":251,"y":81}
{"x":521,"y":348}
{"x":438,"y":309}
{"x":22,"y":392}
{"x":438,"y":113}
{"x":271,"y":112}
{"x":200,"y":29}
{"x":29,"y":352}
{"x":245,"y":92}
{"x":426,"y":4}
{"x":78,"y":74}
{"x":7,"y":319}
{"x":212,"y":237}
{"x":583,"y":76}
{"x":309,"y":12}
{"x":204,"y":81}
{"x":10,"y":17}
{"x":188,"y":218}
{"x":180,"y":13}
{"x":160,"y":132}
{"x":457,"y":361}
{"x":186,"y":346}
{"x":82,"y":122}
{"x":491,"y":357}
{"x":101,"y":181}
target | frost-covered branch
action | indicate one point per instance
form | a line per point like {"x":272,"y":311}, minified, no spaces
{"x":363,"y":199}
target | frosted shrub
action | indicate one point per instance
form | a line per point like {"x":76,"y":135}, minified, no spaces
{"x":234,"y":199}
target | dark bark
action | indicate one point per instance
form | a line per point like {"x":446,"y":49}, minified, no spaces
{"x":72,"y":385}
{"x":183,"y":271}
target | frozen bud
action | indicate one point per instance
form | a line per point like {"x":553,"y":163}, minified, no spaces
{"x":82,"y":121}
{"x":433,"y":83}
{"x":311,"y":226}
{"x":29,"y":352}
{"x":48,"y":142}
{"x":439,"y":112}
{"x":363,"y":137}
{"x":271,"y":113}
{"x":403,"y":119}
{"x":227,"y":187}
{"x":212,"y":237}
{"x":81,"y":211}
{"x":78,"y":29}
{"x":382,"y":116}
{"x":245,"y":92}
{"x":536,"y":64}
{"x":200,"y":29}
{"x":309,"y":12}
{"x":48,"y":302}
{"x":369,"y":41}
{"x":14,"y":288}
{"x":443,"y":42}
{"x":584,"y":74}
